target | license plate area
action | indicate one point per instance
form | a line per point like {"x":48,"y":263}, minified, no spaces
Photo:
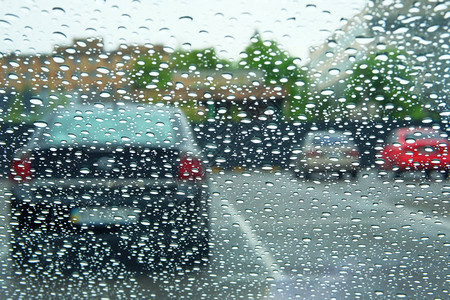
{"x":102,"y":216}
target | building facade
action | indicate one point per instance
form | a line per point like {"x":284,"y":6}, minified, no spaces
{"x":87,"y":72}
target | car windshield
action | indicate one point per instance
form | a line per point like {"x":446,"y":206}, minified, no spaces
{"x":112,"y":127}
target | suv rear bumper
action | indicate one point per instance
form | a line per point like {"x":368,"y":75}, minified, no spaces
{"x":171,"y":223}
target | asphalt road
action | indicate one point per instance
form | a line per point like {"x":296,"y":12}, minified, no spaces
{"x":274,"y":236}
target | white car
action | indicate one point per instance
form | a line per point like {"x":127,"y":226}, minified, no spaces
{"x":327,"y":152}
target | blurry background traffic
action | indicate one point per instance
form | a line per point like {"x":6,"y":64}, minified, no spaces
{"x":369,"y":76}
{"x":266,"y":88}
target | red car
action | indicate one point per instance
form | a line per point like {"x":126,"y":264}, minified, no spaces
{"x":416,"y":148}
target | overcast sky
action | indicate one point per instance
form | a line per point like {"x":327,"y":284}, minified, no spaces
{"x":36,"y":26}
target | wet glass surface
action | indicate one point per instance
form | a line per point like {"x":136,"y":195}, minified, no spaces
{"x":202,"y":150}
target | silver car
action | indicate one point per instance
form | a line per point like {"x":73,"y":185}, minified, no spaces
{"x":327,"y":152}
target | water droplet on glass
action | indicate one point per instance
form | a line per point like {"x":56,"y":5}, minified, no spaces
{"x":105,"y":94}
{"x":364,"y":40}
{"x":58,"y":59}
{"x":382,"y":57}
{"x":227,"y":76}
{"x":36,"y":101}
{"x":269,"y":112}
{"x":424,"y":185}
{"x":103,"y":70}
{"x":327,"y":92}
{"x":5,"y":23}
{"x":13,"y":76}
{"x":59,"y":35}
{"x":222,"y":110}
{"x":40,"y":124}
{"x":169,"y":49}
{"x":58,"y":9}
{"x":334,"y":71}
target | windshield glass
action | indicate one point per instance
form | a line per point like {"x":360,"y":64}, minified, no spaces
{"x":112,"y":127}
{"x":208,"y":149}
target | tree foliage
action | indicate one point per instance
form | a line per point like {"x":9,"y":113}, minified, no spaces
{"x":277,"y":65}
{"x":151,"y":72}
{"x":279,"y":69}
{"x":27,"y":107}
{"x":385,"y":81}
{"x":197,"y":59}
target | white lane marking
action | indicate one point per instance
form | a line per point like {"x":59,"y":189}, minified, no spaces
{"x":260,"y":250}
{"x":4,"y":221}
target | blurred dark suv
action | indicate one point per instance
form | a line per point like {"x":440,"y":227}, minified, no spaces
{"x":109,"y":183}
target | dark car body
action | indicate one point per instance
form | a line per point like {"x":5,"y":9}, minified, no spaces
{"x":415,"y":148}
{"x":109,"y":183}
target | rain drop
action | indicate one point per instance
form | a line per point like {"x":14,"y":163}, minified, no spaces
{"x":105,"y":94}
{"x":40,"y":124}
{"x":227,"y":76}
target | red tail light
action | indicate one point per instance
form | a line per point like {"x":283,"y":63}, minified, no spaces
{"x":353,"y":153}
{"x":312,"y":153}
{"x":190,"y":168}
{"x":20,"y":170}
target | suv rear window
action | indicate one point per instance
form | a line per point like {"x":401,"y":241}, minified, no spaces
{"x":112,"y":127}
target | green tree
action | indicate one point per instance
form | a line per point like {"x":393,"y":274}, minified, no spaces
{"x":200,"y":59}
{"x":384,"y":81}
{"x":151,"y":72}
{"x":279,"y":69}
{"x":28,"y":107}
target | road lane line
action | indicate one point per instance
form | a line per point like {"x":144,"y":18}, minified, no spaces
{"x":262,"y":251}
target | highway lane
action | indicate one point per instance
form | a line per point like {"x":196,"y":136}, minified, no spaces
{"x":275,"y":236}
{"x":343,"y":239}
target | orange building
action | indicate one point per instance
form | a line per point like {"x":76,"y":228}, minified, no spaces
{"x":86,"y":68}
{"x":84,"y":65}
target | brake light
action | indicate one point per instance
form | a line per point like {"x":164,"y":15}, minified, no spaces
{"x":190,"y":168}
{"x":312,"y":153}
{"x":20,"y":170}
{"x":353,"y":153}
